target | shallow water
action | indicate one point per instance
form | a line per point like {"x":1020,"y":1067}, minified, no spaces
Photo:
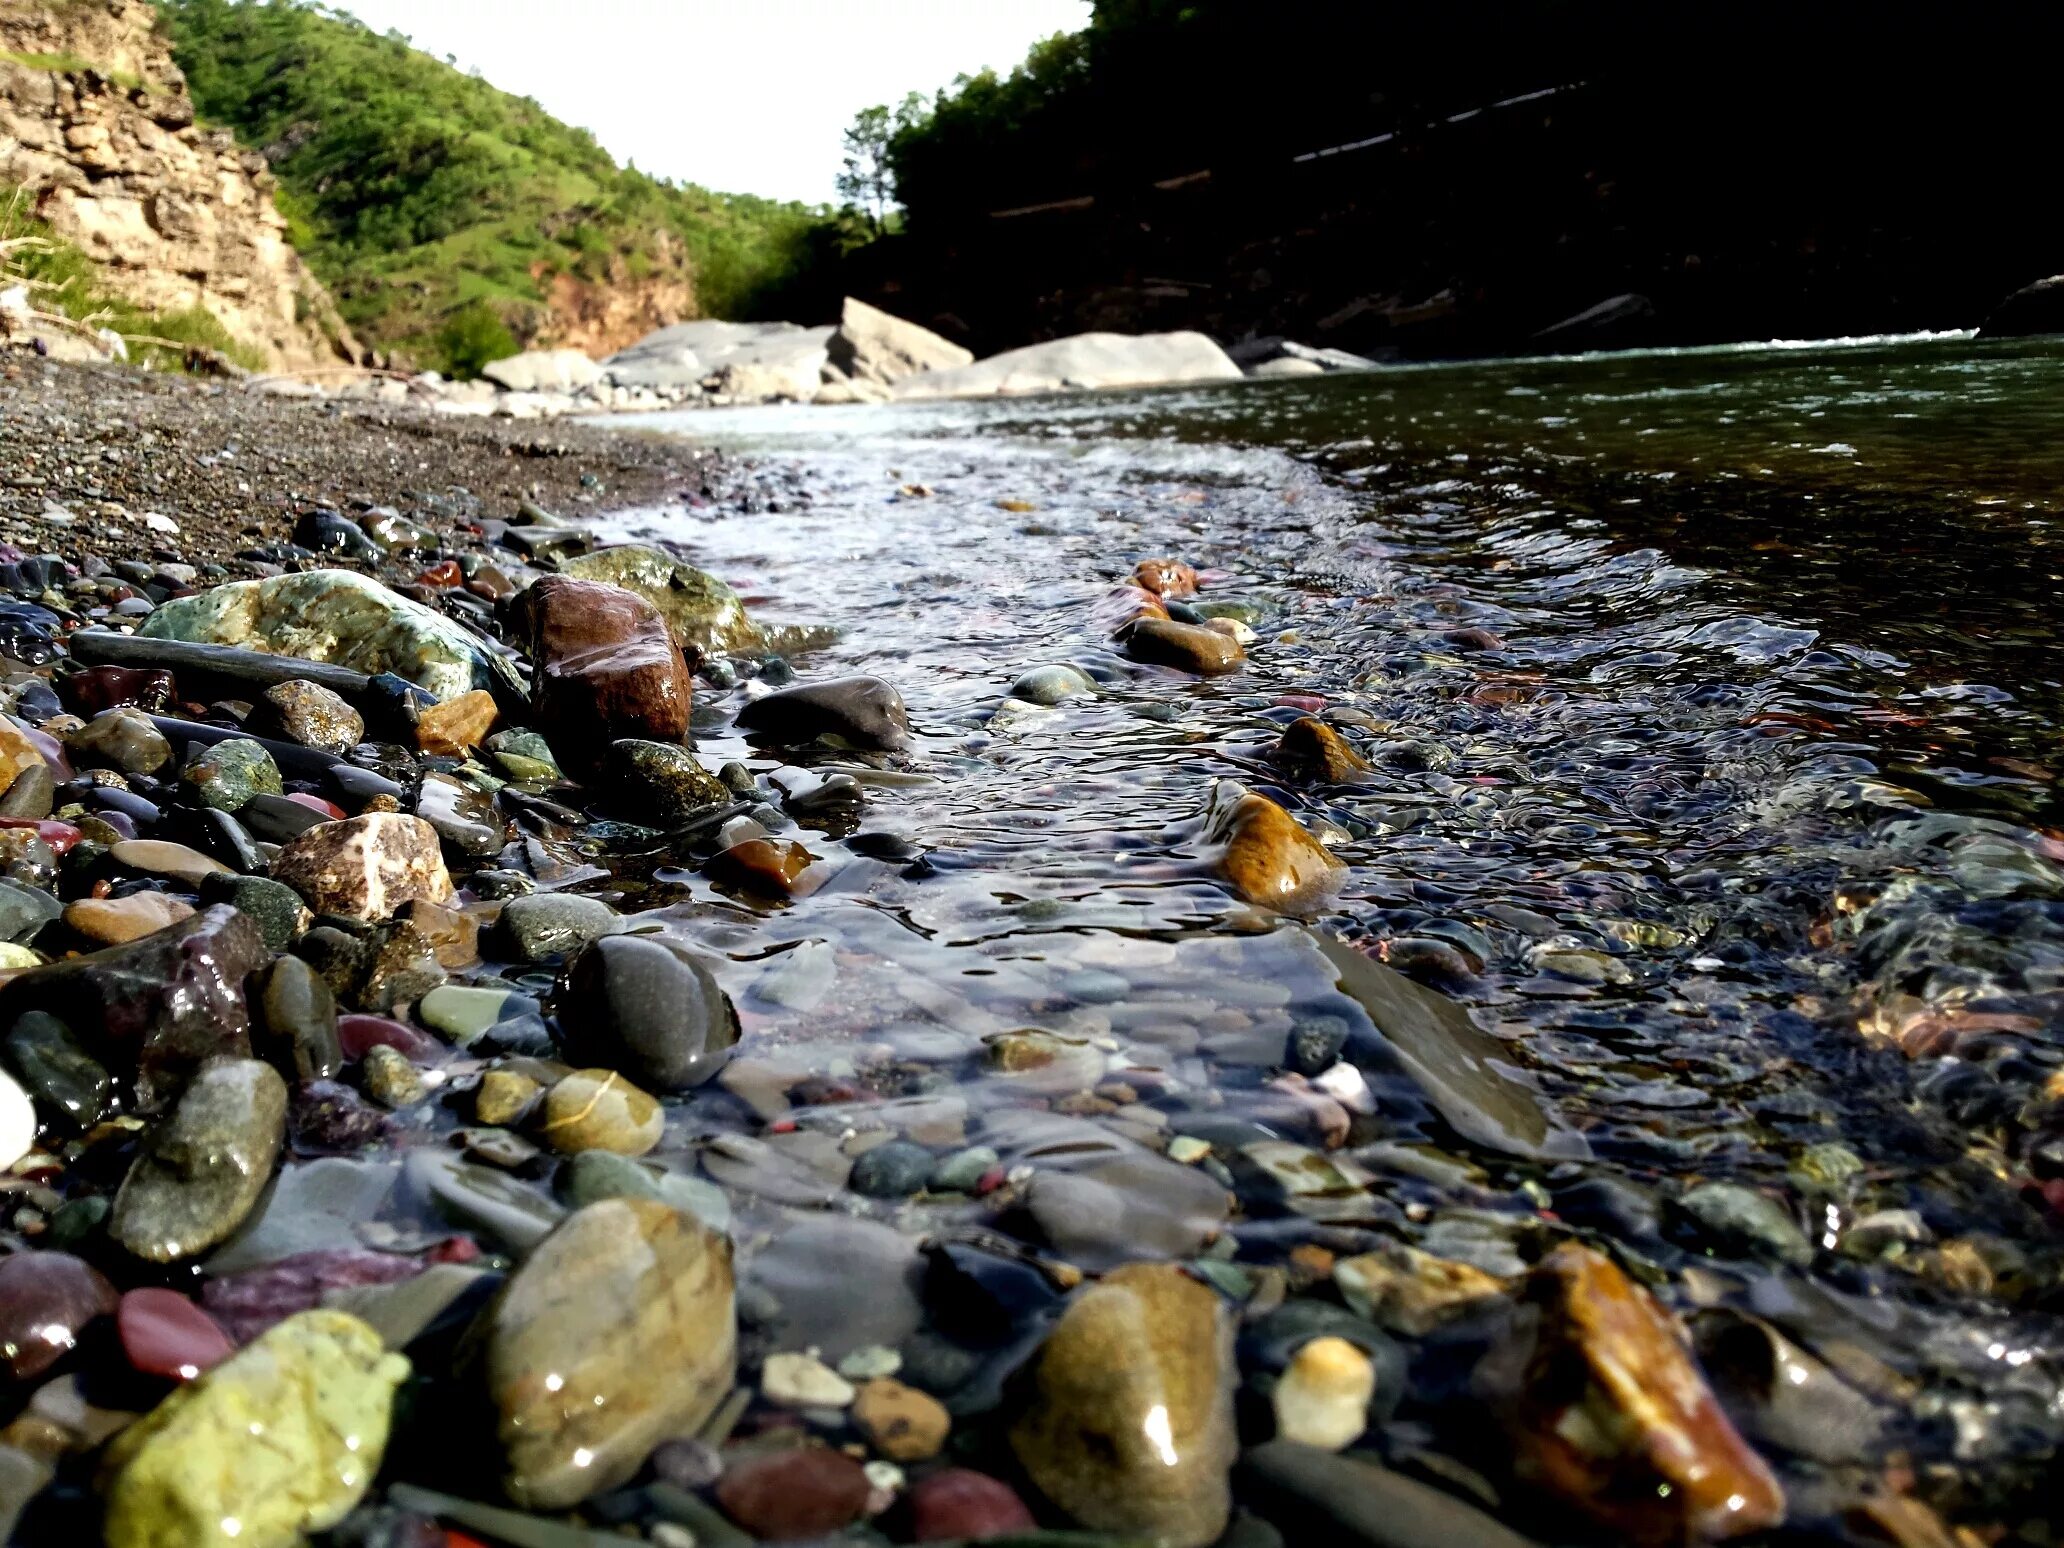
{"x":1739,"y":831}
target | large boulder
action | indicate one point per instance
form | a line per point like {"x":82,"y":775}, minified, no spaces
{"x":704,"y":614}
{"x":544,"y":370}
{"x":870,"y":345}
{"x":764,"y":381}
{"x":1087,"y":360}
{"x":335,"y":616}
{"x":603,"y":667}
{"x":682,"y":356}
{"x":2033,"y":309}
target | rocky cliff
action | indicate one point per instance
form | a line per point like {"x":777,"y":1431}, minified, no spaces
{"x":97,"y":128}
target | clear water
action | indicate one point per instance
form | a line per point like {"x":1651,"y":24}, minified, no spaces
{"x":1743,"y":836}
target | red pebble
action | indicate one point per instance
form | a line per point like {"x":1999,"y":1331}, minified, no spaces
{"x":1310,"y":703}
{"x":2053,"y":1194}
{"x":960,"y":1505}
{"x":785,"y":1496}
{"x":453,"y":1249}
{"x":444,"y":573}
{"x":60,"y":836}
{"x":316,"y":803}
{"x":990,"y":1180}
{"x":357,"y":1034}
{"x":165,"y":1334}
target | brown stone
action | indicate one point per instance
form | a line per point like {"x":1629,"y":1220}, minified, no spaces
{"x":457,"y":726}
{"x":1165,"y":577}
{"x":793,"y":1496}
{"x":367,"y":866}
{"x":1606,"y":1410}
{"x":1269,"y":859}
{"x":1187,"y":647}
{"x":605,"y":669}
{"x":902,"y":1423}
{"x":767,"y":865}
{"x":1311,"y":749}
{"x":18,"y":754}
{"x":1125,"y":606}
{"x":111,"y":921}
{"x":452,"y":934}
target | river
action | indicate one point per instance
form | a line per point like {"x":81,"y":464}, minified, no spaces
{"x":1713,"y":704}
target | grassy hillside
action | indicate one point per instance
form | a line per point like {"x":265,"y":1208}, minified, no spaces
{"x":447,"y":217}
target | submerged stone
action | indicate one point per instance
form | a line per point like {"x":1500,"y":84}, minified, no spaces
{"x":646,"y":1006}
{"x":860,"y":712}
{"x":1268,"y":858}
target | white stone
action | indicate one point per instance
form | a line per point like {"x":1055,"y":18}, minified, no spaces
{"x":17,"y":1121}
{"x":873,"y":346}
{"x":544,"y":370}
{"x":1085,"y":361}
{"x":803,"y":1381}
{"x":1323,"y":1397}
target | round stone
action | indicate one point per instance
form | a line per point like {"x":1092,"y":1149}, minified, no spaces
{"x":803,"y":1381}
{"x":958,"y":1505}
{"x":46,"y":1299}
{"x":900,"y":1422}
{"x":1049,"y":685}
{"x":794,"y":1495}
{"x":600,"y":1110}
{"x":165,"y":1334}
{"x":542,"y":925}
{"x":226,"y":775}
{"x":111,"y":921}
{"x":893,"y":1170}
{"x":205,"y":1166}
{"x":648,"y":1007}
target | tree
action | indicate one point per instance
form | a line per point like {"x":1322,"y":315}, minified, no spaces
{"x":868,"y":181}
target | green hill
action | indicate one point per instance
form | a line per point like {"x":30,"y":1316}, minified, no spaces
{"x":452,"y":221}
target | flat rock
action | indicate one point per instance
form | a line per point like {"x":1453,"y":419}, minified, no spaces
{"x":111,"y":921}
{"x":860,"y":712}
{"x":1085,"y":360}
{"x":873,"y":346}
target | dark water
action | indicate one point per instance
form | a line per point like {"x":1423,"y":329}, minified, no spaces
{"x":1736,"y":822}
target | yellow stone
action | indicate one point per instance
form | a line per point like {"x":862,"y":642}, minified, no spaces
{"x":278,"y":1441}
{"x":1323,"y":1397}
{"x":504,"y":1097}
{"x":112,"y":921}
{"x":456,"y":726}
{"x":17,"y":753}
{"x":600,"y":1110}
{"x":1269,"y":858}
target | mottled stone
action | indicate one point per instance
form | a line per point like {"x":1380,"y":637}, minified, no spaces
{"x":365,"y":867}
{"x":310,"y":714}
{"x":203,"y":1169}
{"x":457,"y":726}
{"x":542,"y":925}
{"x":390,"y":1079}
{"x":704,"y":615}
{"x":318,"y":1390}
{"x":604,"y":668}
{"x":505,"y":1097}
{"x":861,"y":712}
{"x":275,"y":907}
{"x":155,"y":1007}
{"x":900,"y":1422}
{"x":1606,"y":1410}
{"x":600,"y":1110}
{"x":111,"y":921}
{"x":335,"y":616}
{"x":1165,"y":577}
{"x":1186,"y":647}
{"x":227,"y":774}
{"x":1130,"y":1428}
{"x":660,"y":784}
{"x":646,"y":1006}
{"x":18,"y":753}
{"x":122,"y":739}
{"x":46,"y":1300}
{"x":616,"y":1333}
{"x":1413,"y":1292}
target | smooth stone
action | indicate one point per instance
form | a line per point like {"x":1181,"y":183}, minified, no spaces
{"x":646,"y":1006}
{"x":1049,"y":685}
{"x":164,"y":1334}
{"x":839,"y":1284}
{"x":277,"y":908}
{"x":600,"y":1110}
{"x":204,"y":1168}
{"x":1408,"y":1291}
{"x":768,"y":866}
{"x":860,"y":712}
{"x":593,"y":1175}
{"x":365,"y":867}
{"x":401,"y":1310}
{"x":69,"y":1084}
{"x":297,"y":1014}
{"x":800,"y":978}
{"x":894,"y":1170}
{"x":803,"y":1381}
{"x":331,"y":616}
{"x":112,"y":921}
{"x":359,"y":1034}
{"x":1126,"y":1206}
{"x":310,"y":715}
{"x":479,"y":1198}
{"x":46,"y":1301}
{"x":23,"y":1476}
{"x":960,"y":1171}
{"x":900,"y":1422}
{"x":502,"y":1526}
{"x":124,"y":739}
{"x":1186,"y":647}
{"x":156,"y":857}
{"x":795,"y":1495}
{"x":541,"y":925}
{"x":603,"y":668}
{"x":280,"y":819}
{"x":319,"y":1389}
{"x":1130,"y":1427}
{"x":227,"y":774}
{"x":507,"y":1097}
{"x":704,"y":615}
{"x":1314,"y":1496}
{"x":24,"y":910}
{"x":465,"y":1012}
{"x":661,"y":784}
{"x":1739,"y":1219}
{"x":1322,"y":1398}
{"x":248,"y":1303}
{"x":957,"y":1504}
{"x":32,"y":795}
{"x":464,"y":818}
{"x":18,"y":751}
{"x":616,"y":1333}
{"x":1268,"y":857}
{"x":452,"y":933}
{"x":156,"y":1007}
{"x":457,"y":726}
{"x":1311,"y":749}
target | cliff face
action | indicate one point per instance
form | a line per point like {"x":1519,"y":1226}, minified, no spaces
{"x":96,"y":126}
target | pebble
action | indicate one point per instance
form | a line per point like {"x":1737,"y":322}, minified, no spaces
{"x":1186,"y":647}
{"x":959,"y":1505}
{"x":46,"y":1300}
{"x":1408,"y":1291}
{"x":1130,"y":1425}
{"x":365,"y":867}
{"x":768,"y":866}
{"x":164,"y":1334}
{"x":893,"y":1170}
{"x":786,"y":1496}
{"x":1049,"y":685}
{"x":505,"y":1097}
{"x":627,"y":1309}
{"x":870,"y":1361}
{"x":1322,"y":1398}
{"x":124,"y":739}
{"x":660,"y":784}
{"x":961,"y":1171}
{"x":298,"y":1014}
{"x":390,"y":1079}
{"x":24,"y":911}
{"x":318,"y":1388}
{"x":457,"y":726}
{"x":1311,"y":749}
{"x":647,"y":1006}
{"x":900,"y":1422}
{"x":859,"y":712}
{"x":111,"y":921}
{"x":155,"y":857}
{"x":227,"y":774}
{"x":73,"y":1088}
{"x":600,"y":1110}
{"x":1741,"y":1219}
{"x":542,"y":925}
{"x":276,"y":907}
{"x":1269,"y":859}
{"x":603,"y":667}
{"x":311,"y":715}
{"x":803,"y":1381}
{"x":205,"y":1166}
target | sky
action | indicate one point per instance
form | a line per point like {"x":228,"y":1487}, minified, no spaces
{"x":743,"y":96}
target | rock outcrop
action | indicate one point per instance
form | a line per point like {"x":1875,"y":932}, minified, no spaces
{"x":1087,"y":360}
{"x":96,"y":126}
{"x":870,"y":345}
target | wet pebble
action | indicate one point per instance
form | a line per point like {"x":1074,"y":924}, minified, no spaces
{"x":204,"y":1168}
{"x":600,"y":1110}
{"x":648,"y":1007}
{"x":543,"y":925}
{"x":789,"y":1496}
{"x":893,"y":1170}
{"x":46,"y":1301}
{"x":164,"y":1334}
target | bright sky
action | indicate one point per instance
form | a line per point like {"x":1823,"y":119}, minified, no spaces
{"x":744,"y":96}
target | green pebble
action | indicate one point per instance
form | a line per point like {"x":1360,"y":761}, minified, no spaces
{"x":462,"y":1012}
{"x":229,"y":773}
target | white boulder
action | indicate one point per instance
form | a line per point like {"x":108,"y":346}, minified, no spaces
{"x":873,"y":346}
{"x":1085,"y":361}
{"x":544,"y":370}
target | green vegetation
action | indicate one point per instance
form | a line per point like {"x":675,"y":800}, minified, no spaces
{"x":445,"y":215}
{"x":63,"y":283}
{"x":69,"y":64}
